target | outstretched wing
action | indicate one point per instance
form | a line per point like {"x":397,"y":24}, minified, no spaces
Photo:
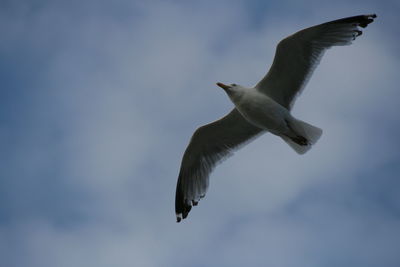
{"x":209,"y":145}
{"x":298,"y":55}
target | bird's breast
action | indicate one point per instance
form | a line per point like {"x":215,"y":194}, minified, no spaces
{"x":263,"y":112}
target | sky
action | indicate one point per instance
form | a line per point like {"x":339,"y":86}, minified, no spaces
{"x":98,"y":100}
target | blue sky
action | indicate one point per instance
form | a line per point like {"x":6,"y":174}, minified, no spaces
{"x":99,"y":100}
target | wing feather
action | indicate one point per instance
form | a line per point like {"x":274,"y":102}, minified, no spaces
{"x":299,"y":54}
{"x":209,"y":145}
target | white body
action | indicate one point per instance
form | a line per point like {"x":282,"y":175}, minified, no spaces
{"x":260,"y":110}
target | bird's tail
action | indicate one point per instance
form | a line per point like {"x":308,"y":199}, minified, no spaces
{"x":307,"y":135}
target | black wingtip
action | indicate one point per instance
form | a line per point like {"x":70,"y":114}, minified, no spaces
{"x":361,"y":20}
{"x":181,"y":214}
{"x":367,"y":19}
{"x":182,"y":206}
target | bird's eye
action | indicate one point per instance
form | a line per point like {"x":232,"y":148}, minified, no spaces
{"x":233,"y":84}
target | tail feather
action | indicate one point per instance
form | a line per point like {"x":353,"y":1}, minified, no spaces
{"x":305,"y":130}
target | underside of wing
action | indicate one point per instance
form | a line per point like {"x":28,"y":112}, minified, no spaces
{"x":209,"y":145}
{"x":298,"y":55}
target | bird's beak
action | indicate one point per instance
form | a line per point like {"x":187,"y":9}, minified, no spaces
{"x":223,"y":86}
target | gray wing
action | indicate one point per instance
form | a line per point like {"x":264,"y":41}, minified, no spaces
{"x":209,"y":145}
{"x":298,"y":55}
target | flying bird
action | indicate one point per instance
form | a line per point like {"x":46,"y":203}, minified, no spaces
{"x":265,"y":107}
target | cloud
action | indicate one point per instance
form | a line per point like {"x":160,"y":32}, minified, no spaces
{"x":106,"y":100}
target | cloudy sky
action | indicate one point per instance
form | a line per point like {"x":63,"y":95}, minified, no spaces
{"x":98,"y":100}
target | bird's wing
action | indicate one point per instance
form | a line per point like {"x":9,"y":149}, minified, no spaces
{"x":209,"y":145}
{"x":297,"y":56}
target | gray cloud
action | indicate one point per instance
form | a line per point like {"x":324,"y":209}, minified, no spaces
{"x":106,"y":100}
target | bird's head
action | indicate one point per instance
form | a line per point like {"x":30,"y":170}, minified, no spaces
{"x":233,"y":90}
{"x":227,"y":88}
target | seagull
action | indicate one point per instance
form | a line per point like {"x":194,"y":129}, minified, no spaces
{"x":265,"y":107}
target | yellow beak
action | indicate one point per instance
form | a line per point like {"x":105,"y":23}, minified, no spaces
{"x":223,"y":86}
